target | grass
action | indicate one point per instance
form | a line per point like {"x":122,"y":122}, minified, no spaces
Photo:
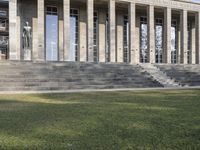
{"x":153,"y":120}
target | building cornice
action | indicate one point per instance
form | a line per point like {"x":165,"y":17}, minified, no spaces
{"x":179,"y":5}
{"x":187,"y":1}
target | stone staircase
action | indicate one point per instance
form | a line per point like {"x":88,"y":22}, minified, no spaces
{"x":187,"y":75}
{"x":160,"y":76}
{"x":29,"y":76}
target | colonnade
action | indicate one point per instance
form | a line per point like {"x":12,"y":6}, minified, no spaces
{"x":134,"y":53}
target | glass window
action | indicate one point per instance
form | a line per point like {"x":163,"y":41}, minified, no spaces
{"x":143,"y":40}
{"x":74,"y":36}
{"x":4,"y":47}
{"x":96,"y":31}
{"x":3,"y":24}
{"x":174,"y":42}
{"x":3,"y":13}
{"x":51,"y":34}
{"x":126,"y":40}
{"x":189,"y":54}
{"x":159,"y":40}
{"x":107,"y":40}
{"x":51,"y":10}
{"x":3,"y":40}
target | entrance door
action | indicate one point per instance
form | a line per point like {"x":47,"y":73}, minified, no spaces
{"x":51,"y":34}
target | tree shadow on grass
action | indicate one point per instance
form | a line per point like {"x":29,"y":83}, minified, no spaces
{"x":98,"y":121}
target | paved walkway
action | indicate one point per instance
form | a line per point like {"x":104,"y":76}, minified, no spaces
{"x":97,"y":90}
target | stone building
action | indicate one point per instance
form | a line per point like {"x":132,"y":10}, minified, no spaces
{"x":116,"y":31}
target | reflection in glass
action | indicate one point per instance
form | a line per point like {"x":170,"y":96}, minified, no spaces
{"x":3,"y":13}
{"x":51,"y":37}
{"x":4,"y":40}
{"x":159,"y":40}
{"x":143,"y":40}
{"x":174,"y":42}
{"x":3,"y":24}
{"x":4,"y":46}
{"x":73,"y":54}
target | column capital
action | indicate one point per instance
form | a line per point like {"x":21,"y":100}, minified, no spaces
{"x":169,"y":8}
{"x":132,"y":3}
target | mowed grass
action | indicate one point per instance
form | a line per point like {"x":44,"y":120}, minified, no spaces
{"x":153,"y":120}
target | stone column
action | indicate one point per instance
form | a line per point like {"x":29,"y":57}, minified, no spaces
{"x":112,"y":29}
{"x":14,"y":54}
{"x":102,"y":36}
{"x":90,"y":30}
{"x":151,"y":35}
{"x":193,"y":44}
{"x":167,"y":35}
{"x":120,"y":48}
{"x":134,"y":54}
{"x":198,"y":38}
{"x":41,"y":31}
{"x":184,"y":36}
{"x":82,"y":34}
{"x":61,"y":35}
{"x":66,"y":13}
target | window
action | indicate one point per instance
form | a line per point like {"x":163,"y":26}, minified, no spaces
{"x":143,"y":40}
{"x":159,"y":40}
{"x":126,"y":40}
{"x":174,"y":42}
{"x":4,"y":46}
{"x":3,"y":40}
{"x":107,"y":40}
{"x":51,"y":33}
{"x":74,"y":35}
{"x":96,"y":41}
{"x":51,"y":10}
{"x":189,"y":43}
{"x":3,"y":24}
{"x":3,"y":13}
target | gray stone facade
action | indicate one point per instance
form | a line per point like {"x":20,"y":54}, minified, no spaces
{"x":116,"y":36}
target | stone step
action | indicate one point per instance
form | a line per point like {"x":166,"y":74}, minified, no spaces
{"x":63,"y":76}
{"x":186,"y":74}
{"x":160,"y":76}
{"x":23,"y":88}
{"x":77,"y":81}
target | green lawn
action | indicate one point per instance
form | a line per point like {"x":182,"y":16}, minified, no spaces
{"x":153,"y":120}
